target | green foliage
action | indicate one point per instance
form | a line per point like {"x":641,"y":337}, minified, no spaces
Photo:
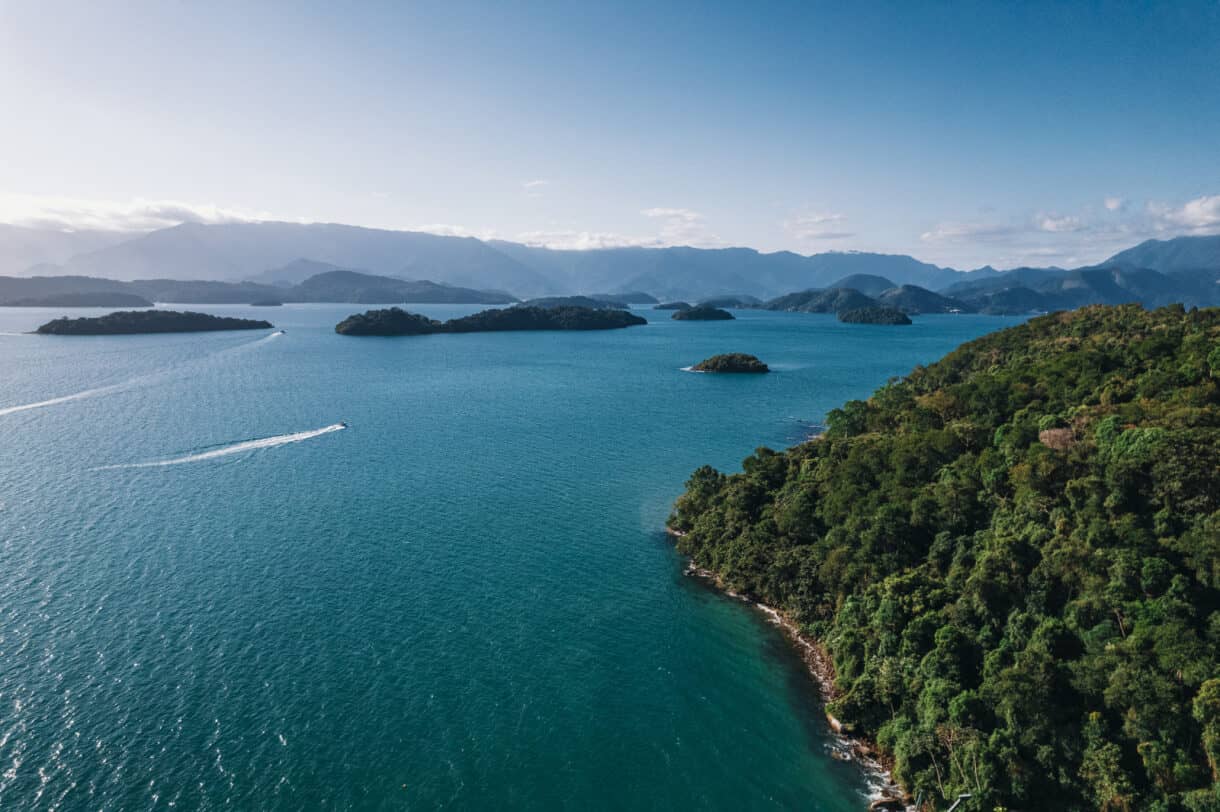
{"x":1013,"y":556}
{"x":731,"y":362}
{"x":702,"y":313}
{"x":874,"y":315}
{"x":395,"y":321}
{"x":125,"y":322}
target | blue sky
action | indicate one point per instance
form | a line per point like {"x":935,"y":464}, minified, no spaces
{"x":963,"y":134}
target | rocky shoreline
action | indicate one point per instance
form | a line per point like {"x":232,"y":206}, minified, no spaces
{"x":885,"y":793}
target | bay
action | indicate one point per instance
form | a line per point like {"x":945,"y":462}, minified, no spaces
{"x":464,"y":599}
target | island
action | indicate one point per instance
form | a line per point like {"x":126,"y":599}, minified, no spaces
{"x":266,"y":303}
{"x":101,"y":298}
{"x":127,"y":322}
{"x":702,"y":314}
{"x":397,"y":322}
{"x":873,"y":315}
{"x":731,"y":362}
{"x":673,"y":306}
{"x":1005,"y":562}
{"x":393,"y":321}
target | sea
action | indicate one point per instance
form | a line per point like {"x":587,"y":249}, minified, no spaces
{"x":289,"y":569}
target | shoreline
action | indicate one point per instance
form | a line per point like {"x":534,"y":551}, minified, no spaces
{"x":846,"y":747}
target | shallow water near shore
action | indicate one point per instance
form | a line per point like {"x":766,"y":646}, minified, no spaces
{"x":462,"y":599}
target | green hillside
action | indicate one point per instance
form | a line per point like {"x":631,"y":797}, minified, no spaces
{"x":1013,"y":556}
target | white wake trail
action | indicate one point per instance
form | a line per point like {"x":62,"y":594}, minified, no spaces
{"x":256,"y":341}
{"x":88,"y":393}
{"x":139,"y":379}
{"x":236,"y":448}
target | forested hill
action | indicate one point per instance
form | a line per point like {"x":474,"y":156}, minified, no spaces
{"x":1013,"y":556}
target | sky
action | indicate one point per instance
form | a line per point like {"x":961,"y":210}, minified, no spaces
{"x":961,"y":133}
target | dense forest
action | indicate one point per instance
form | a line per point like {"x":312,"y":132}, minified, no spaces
{"x":731,"y":362}
{"x":1013,"y":558}
{"x":148,"y":321}
{"x":702,"y":313}
{"x":395,"y":321}
{"x":874,"y":315}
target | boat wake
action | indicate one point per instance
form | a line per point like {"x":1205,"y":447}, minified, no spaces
{"x":262,"y":340}
{"x":235,"y":448}
{"x":88,"y":393}
{"x":115,"y":387}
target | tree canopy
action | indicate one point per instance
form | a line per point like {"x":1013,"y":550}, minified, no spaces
{"x":1013,"y":556}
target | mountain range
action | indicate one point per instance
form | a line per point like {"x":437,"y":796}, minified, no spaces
{"x":328,"y":286}
{"x":274,"y":256}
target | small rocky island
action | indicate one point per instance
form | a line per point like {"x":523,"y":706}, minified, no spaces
{"x":702,"y":313}
{"x":874,"y":315}
{"x":397,"y":322}
{"x":104,"y":298}
{"x":132,"y":322}
{"x":266,"y":303}
{"x":673,"y":306}
{"x":731,"y":362}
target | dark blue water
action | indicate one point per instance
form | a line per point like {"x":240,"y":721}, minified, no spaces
{"x":463,"y":600}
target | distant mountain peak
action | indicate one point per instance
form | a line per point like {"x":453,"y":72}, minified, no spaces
{"x":1173,"y":255}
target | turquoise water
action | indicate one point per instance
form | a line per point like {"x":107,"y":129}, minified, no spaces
{"x":463,"y":600}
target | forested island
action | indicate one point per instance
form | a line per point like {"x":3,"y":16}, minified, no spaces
{"x":731,"y":362}
{"x":148,"y":321}
{"x":1012,"y":557}
{"x":673,"y":306}
{"x":701,"y":313}
{"x":392,"y":321}
{"x":395,"y":321}
{"x":874,"y":315}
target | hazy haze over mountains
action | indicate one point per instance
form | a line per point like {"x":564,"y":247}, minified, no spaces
{"x":23,"y":248}
{"x":288,"y":253}
{"x":275,"y":253}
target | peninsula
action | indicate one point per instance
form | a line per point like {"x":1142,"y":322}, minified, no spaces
{"x":1010,"y":557}
{"x":125,"y":322}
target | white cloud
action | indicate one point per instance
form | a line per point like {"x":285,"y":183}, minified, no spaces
{"x":585,"y":240}
{"x":817,"y":227}
{"x":966,"y":232}
{"x":1058,"y":225}
{"x":447,"y":230}
{"x":685,"y":215}
{"x":75,"y":214}
{"x":682,"y":227}
{"x":1198,"y":216}
{"x":678,"y":226}
{"x":1069,"y":240}
{"x":534,"y":188}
